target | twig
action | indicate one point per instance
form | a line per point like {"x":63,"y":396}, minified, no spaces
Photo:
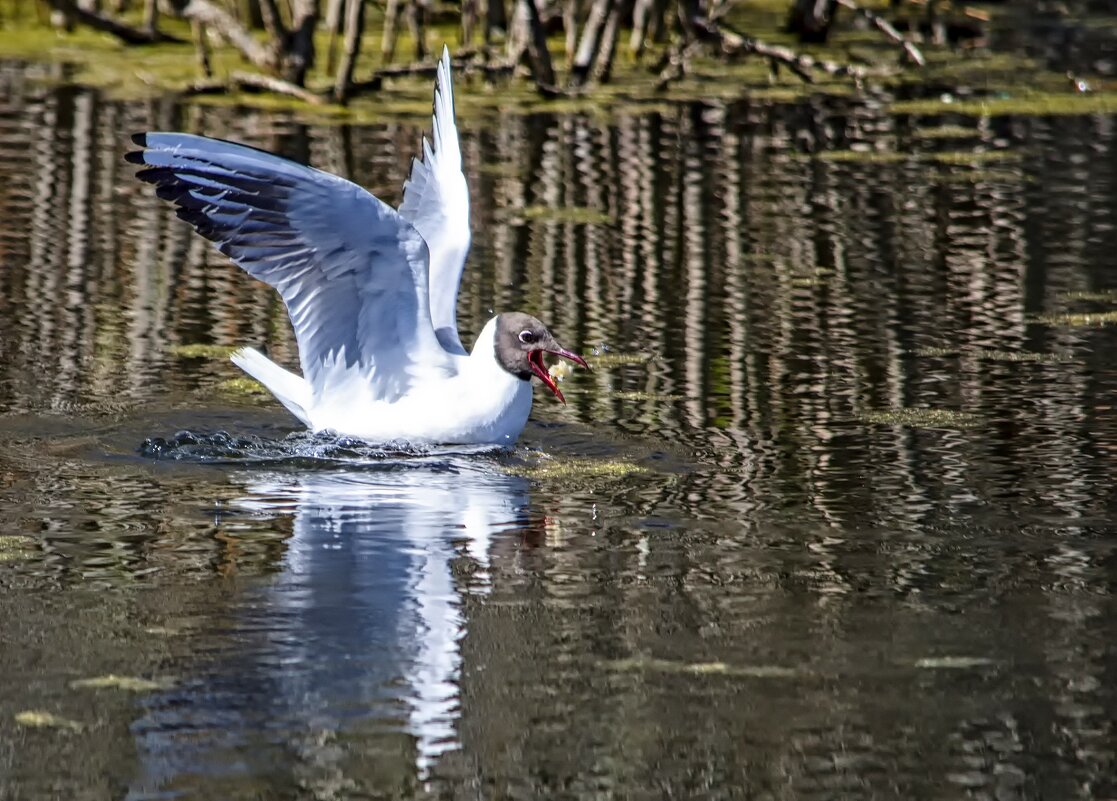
{"x":886,"y":27}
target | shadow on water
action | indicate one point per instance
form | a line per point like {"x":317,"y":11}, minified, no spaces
{"x":831,"y":517}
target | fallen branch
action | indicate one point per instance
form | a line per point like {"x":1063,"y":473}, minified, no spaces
{"x":733,"y":44}
{"x":886,"y":27}
{"x":106,"y":24}
{"x":251,"y":80}
{"x":225,"y":26}
{"x":254,"y":82}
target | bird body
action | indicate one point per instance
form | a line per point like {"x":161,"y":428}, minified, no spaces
{"x":371,"y":291}
{"x":478,"y":402}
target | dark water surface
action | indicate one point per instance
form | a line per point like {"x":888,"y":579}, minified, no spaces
{"x":870,"y":552}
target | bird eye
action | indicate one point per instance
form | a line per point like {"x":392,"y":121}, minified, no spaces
{"x":527,"y":337}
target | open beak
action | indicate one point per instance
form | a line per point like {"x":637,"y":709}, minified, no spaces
{"x":535,"y":358}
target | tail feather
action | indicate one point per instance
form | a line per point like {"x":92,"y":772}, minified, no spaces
{"x":289,"y":389}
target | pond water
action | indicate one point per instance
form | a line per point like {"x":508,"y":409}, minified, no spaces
{"x":832,"y":516}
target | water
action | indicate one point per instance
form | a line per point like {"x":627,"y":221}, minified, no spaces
{"x":833,"y":516}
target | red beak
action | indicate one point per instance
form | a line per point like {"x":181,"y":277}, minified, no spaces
{"x":535,"y":358}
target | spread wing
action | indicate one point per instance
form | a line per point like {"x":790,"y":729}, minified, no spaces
{"x":351,"y":271}
{"x":436,"y":202}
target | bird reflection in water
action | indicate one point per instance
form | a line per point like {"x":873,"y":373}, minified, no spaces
{"x":357,"y":638}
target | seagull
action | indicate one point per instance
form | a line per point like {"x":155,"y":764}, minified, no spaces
{"x":371,"y":290}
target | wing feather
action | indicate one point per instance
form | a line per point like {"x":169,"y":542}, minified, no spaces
{"x":352,"y":272}
{"x":436,"y":202}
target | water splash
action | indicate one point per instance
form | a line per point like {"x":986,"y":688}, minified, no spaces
{"x":301,"y":449}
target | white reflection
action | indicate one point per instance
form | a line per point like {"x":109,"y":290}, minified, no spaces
{"x":368,"y":580}
{"x":356,"y":637}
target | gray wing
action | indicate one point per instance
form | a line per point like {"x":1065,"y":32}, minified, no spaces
{"x":351,"y":271}
{"x":436,"y":202}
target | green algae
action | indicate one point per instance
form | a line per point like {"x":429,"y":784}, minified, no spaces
{"x":574,"y":215}
{"x":952,"y":662}
{"x":501,"y":169}
{"x":1078,"y":319}
{"x":807,"y":282}
{"x":996,"y":355}
{"x":921,"y":418}
{"x":41,"y":719}
{"x":945,"y":132}
{"x":863,"y":156}
{"x":605,"y":361}
{"x":555,"y":468}
{"x":961,"y":158}
{"x":111,"y":681}
{"x":642,"y":664}
{"x":1027,"y":104}
{"x":14,"y":547}
{"x":975,"y":176}
{"x":641,"y":396}
{"x":244,"y":386}
{"x":954,"y":158}
{"x":1098,"y":295}
{"x":202,"y":351}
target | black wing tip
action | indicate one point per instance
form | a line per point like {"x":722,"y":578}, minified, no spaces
{"x":136,"y":156}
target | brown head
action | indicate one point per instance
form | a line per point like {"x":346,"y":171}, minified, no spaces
{"x":521,"y":340}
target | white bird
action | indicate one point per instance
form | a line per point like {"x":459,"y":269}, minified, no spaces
{"x":371,"y":291}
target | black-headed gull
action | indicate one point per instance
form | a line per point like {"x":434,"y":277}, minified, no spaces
{"x":371,"y":291}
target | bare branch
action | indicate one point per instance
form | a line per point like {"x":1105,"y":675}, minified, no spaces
{"x":886,"y":27}
{"x":254,"y":82}
{"x":100,"y":21}
{"x":226,"y":27}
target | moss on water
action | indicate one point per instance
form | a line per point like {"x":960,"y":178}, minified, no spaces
{"x":642,"y":664}
{"x":574,"y":215}
{"x":609,"y":359}
{"x":564,"y":468}
{"x":1078,"y":319}
{"x":502,"y":169}
{"x":863,"y":156}
{"x":1098,"y":296}
{"x":952,"y":662}
{"x":14,"y":547}
{"x":111,"y":681}
{"x":945,"y":132}
{"x":41,"y":719}
{"x":1024,"y":104}
{"x":961,"y":158}
{"x":921,"y":418}
{"x":957,"y":158}
{"x":959,"y":177}
{"x":995,"y":355}
{"x":202,"y":351}
{"x":641,"y":396}
{"x":244,"y":386}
